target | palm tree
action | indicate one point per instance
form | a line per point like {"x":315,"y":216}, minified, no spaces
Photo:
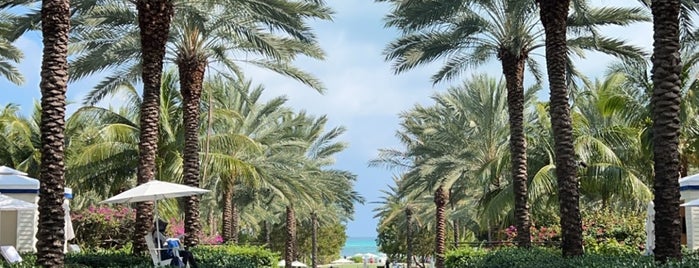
{"x":239,"y":131}
{"x":154,"y":23}
{"x":441,"y":197}
{"x":408,"y":234}
{"x":666,"y":128}
{"x":606,"y":127}
{"x":470,"y":33}
{"x":103,"y":145}
{"x":205,"y":33}
{"x":55,"y":16}
{"x":554,"y":15}
{"x":213,"y":39}
{"x":9,"y":54}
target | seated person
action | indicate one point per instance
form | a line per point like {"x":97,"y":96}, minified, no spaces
{"x":162,"y":241}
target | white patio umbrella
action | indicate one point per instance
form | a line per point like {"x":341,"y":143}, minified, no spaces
{"x":153,"y":191}
{"x":693,"y":203}
{"x":341,"y":261}
{"x":293,"y":264}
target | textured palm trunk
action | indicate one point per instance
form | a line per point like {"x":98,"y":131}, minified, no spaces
{"x":553,"y":16}
{"x":154,"y":18}
{"x":227,"y":214}
{"x":55,"y":18}
{"x":513,"y":69}
{"x":191,"y":79}
{"x":290,"y":236}
{"x":455,"y":223}
{"x":268,"y":232}
{"x":314,"y":240}
{"x":666,"y":128}
{"x":235,"y":220}
{"x":408,"y":235}
{"x":440,"y":200}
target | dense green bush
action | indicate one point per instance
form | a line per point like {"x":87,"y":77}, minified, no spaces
{"x":601,"y":226}
{"x":103,"y":227}
{"x":552,"y":258}
{"x":229,"y":256}
{"x":604,"y":231}
{"x":223,"y":256}
{"x":107,"y":258}
{"x":102,"y":258}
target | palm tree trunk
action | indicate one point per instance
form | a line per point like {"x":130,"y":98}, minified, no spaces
{"x":268,"y":237}
{"x":554,"y":14}
{"x":513,"y":69}
{"x":455,"y":223}
{"x":191,"y":79}
{"x":227,"y":214}
{"x":154,"y":18}
{"x":235,"y":219}
{"x":666,"y":128}
{"x":408,"y":235}
{"x":290,"y":236}
{"x":440,"y":200}
{"x":314,"y":240}
{"x":55,"y":18}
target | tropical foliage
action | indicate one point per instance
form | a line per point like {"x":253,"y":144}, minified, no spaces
{"x":484,"y":161}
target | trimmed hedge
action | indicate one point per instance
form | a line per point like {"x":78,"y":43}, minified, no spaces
{"x":224,"y":256}
{"x":230,"y":256}
{"x":106,"y":258}
{"x":551,"y":258}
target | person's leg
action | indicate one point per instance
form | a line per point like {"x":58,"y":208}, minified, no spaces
{"x":188,"y":258}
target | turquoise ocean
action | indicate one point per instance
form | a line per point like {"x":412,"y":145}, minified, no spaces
{"x":363,"y":245}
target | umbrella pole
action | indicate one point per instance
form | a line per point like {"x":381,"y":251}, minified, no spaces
{"x":157,"y":229}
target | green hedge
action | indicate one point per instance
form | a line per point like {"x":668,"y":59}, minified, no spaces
{"x":224,"y":256}
{"x":551,"y":258}
{"x":107,"y":258}
{"x":229,"y":256}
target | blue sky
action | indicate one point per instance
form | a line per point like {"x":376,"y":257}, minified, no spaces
{"x":363,"y":93}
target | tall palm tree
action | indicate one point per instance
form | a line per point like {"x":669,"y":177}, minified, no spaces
{"x":554,"y":15}
{"x":212,"y":39}
{"x":154,"y":23}
{"x":55,"y":17}
{"x":240,"y":131}
{"x":666,"y":127}
{"x":470,"y":33}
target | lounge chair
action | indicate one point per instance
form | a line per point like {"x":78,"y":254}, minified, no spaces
{"x":155,"y":253}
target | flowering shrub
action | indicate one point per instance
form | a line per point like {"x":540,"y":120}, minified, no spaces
{"x":175,"y":228}
{"x":539,"y":235}
{"x":103,"y":227}
{"x":607,"y":232}
{"x":604,"y":231}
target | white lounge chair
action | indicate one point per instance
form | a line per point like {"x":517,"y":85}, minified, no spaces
{"x":10,"y":254}
{"x":155,"y":253}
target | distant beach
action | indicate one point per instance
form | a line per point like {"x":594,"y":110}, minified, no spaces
{"x":363,"y":245}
